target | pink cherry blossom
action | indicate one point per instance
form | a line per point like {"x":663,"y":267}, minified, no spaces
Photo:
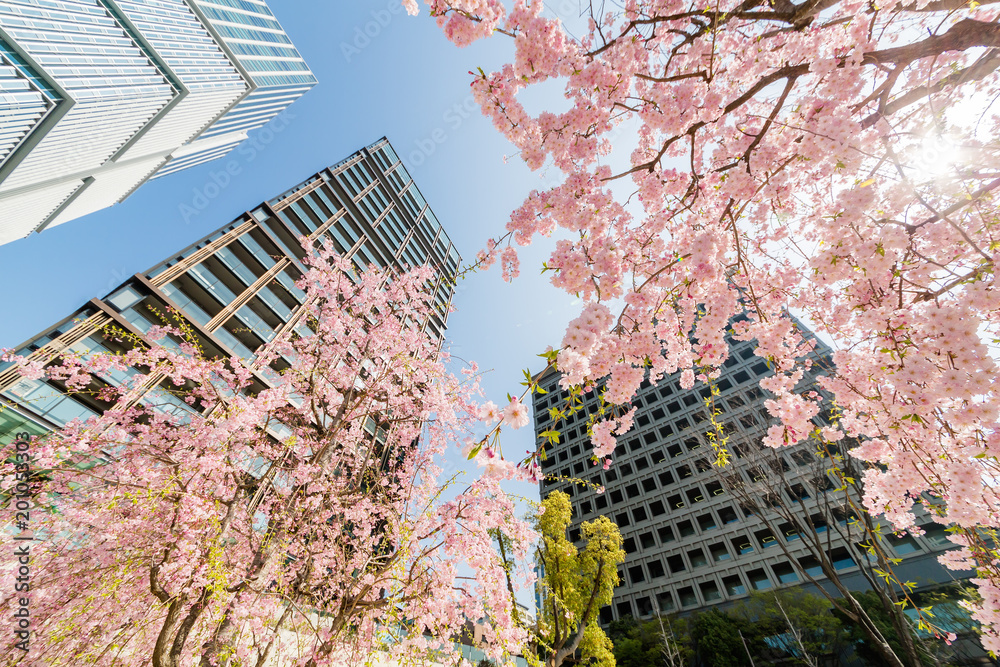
{"x":766,"y":160}
{"x":515,"y":414}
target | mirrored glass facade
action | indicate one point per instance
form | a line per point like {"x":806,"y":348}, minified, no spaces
{"x":98,"y":96}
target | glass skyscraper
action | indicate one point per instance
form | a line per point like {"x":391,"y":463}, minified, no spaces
{"x":98,"y":96}
{"x":236,"y":287}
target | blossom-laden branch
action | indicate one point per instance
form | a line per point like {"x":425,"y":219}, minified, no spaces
{"x":303,"y":521}
{"x":827,"y":158}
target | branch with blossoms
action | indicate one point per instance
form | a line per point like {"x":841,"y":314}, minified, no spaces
{"x":257,"y":518}
{"x":844,"y":170}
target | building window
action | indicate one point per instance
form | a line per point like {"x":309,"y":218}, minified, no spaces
{"x":655,"y":569}
{"x":666,"y":479}
{"x":686,"y":528}
{"x":647,"y":540}
{"x":644,"y":607}
{"x":785,"y":573}
{"x":629,"y":545}
{"x":636,"y":574}
{"x":734,"y":586}
{"x":742,"y":545}
{"x":841,"y":559}
{"x":632,"y":491}
{"x":656,"y":507}
{"x":639,"y":514}
{"x":622,"y":519}
{"x":697,"y":558}
{"x":585,"y":507}
{"x":706,"y":522}
{"x":758,"y":580}
{"x":936,"y":534}
{"x":765,"y":538}
{"x":710,"y":591}
{"x":649,"y":485}
{"x":624,"y":609}
{"x":811,"y":566}
{"x":687,"y":596}
{"x":676,"y":564}
{"x":728,"y":515}
{"x":616,"y":497}
{"x":719,"y":552}
{"x":788,"y":532}
{"x":666,"y":534}
{"x":606,"y":615}
{"x":904,"y":544}
{"x":665,"y":601}
{"x":601,"y":502}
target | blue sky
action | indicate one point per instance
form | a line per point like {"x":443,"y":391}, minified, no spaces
{"x":380,"y":73}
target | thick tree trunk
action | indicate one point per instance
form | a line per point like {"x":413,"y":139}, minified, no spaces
{"x":176,"y":629}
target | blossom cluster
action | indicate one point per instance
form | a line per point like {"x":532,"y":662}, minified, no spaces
{"x":822,"y":160}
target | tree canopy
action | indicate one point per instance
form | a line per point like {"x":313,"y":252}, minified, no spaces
{"x":575,"y":584}
{"x":741,"y":158}
{"x":220,"y":519}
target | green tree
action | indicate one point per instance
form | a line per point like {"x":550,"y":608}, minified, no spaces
{"x":649,"y":643}
{"x":872,"y":605}
{"x":575,"y":584}
{"x":717,"y":640}
{"x":793,"y":621}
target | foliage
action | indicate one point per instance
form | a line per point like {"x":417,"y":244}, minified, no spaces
{"x":717,"y":641}
{"x":774,"y":618}
{"x":641,"y":643}
{"x":873,"y":606}
{"x":302,"y":521}
{"x":575,"y":584}
{"x":837,"y":158}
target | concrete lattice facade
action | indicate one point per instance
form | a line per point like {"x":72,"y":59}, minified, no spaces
{"x":98,"y":96}
{"x":236,"y":287}
{"x":690,"y":544}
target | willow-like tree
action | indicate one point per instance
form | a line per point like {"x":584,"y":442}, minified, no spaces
{"x":299,"y":522}
{"x":833,"y":158}
{"x":574,"y":584}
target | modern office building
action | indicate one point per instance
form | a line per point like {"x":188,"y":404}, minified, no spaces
{"x":691,"y":540}
{"x":236,"y":287}
{"x":99,"y":96}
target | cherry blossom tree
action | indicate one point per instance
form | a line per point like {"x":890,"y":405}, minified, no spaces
{"x":832,"y":158}
{"x":306,"y":520}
